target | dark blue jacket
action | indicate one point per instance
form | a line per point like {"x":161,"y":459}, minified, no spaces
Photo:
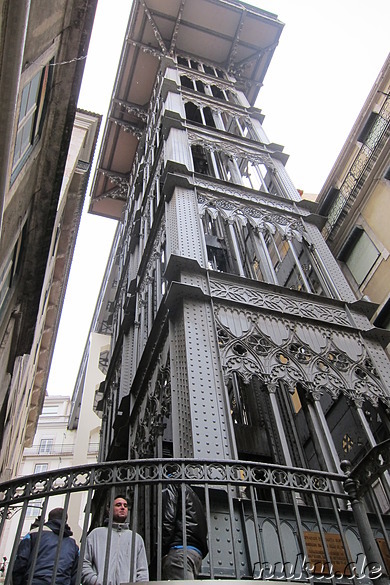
{"x":48,"y":544}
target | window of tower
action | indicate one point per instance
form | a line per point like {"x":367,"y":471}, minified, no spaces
{"x":296,"y":416}
{"x":194,"y":64}
{"x":248,"y":405}
{"x":182,"y":61}
{"x":202,"y":164}
{"x":208,"y":116}
{"x":277,"y":248}
{"x":193,"y":113}
{"x":218,"y":93}
{"x":228,"y":121}
{"x":186,"y":82}
{"x":237,"y":399}
{"x":209,"y":70}
{"x":289,"y":274}
{"x":217,"y":243}
{"x":216,"y":255}
{"x":254,"y":175}
{"x":200,"y":86}
{"x":314,"y":277}
{"x":243,"y":127}
{"x":251,"y":259}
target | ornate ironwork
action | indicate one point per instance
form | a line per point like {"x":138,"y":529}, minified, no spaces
{"x":230,"y":149}
{"x":370,"y":468}
{"x":350,"y":186}
{"x":153,"y":471}
{"x":281,"y":355}
{"x":133,"y":109}
{"x":128,"y":127}
{"x":154,"y":27}
{"x":239,"y":193}
{"x":121,"y":181}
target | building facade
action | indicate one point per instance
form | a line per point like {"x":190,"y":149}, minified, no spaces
{"x":55,"y":446}
{"x":42,"y":54}
{"x":354,"y":197}
{"x":235,"y":335}
{"x":63,"y":439}
{"x":240,"y":359}
{"x":228,"y":299}
{"x":27,"y":388}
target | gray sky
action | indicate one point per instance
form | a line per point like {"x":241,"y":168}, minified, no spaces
{"x":328,"y":57}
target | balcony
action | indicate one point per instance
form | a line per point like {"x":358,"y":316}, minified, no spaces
{"x":266,"y":522}
{"x":51,"y":449}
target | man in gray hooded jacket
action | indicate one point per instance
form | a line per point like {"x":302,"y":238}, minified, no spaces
{"x":120,"y":555}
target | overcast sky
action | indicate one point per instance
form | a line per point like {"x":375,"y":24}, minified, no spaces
{"x":328,"y":57}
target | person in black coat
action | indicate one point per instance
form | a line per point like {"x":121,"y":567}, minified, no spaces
{"x":48,"y":545}
{"x":172,"y":533}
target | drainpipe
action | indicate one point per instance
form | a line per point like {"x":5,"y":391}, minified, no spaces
{"x":17,"y":15}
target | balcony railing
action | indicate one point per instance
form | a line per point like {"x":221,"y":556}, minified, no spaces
{"x":265,"y":522}
{"x":50,"y":449}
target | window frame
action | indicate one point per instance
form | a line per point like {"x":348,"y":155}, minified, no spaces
{"x":31,"y":116}
{"x":351,"y":246}
{"x":46,"y":446}
{"x":38,"y":466}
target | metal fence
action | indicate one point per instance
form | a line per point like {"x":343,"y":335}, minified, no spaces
{"x":265,"y":522}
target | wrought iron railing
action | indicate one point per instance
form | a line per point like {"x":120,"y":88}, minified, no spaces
{"x":361,"y":164}
{"x":264,"y":521}
{"x":50,"y":449}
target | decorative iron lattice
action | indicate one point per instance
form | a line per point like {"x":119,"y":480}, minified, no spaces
{"x":366,"y":154}
{"x":372,"y":466}
{"x":130,"y":473}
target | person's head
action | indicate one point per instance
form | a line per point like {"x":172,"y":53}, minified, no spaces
{"x":120,"y":509}
{"x":56,"y":514}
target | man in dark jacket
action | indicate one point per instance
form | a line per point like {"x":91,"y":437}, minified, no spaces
{"x":195,"y":530}
{"x":47,"y":552}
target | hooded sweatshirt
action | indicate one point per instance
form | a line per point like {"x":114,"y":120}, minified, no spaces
{"x":48,"y":544}
{"x":119,"y":556}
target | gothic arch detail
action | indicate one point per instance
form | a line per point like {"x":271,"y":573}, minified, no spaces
{"x":249,"y":348}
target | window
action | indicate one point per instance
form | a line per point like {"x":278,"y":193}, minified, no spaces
{"x":40,"y":467}
{"x":220,"y":252}
{"x":383,"y":318}
{"x":359,"y":254}
{"x":193,"y":113}
{"x":46,"y":446}
{"x":202,"y":162}
{"x":238,"y":406}
{"x":35,"y":508}
{"x":12,"y":268}
{"x":30,"y":119}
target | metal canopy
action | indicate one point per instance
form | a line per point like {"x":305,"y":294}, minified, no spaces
{"x":225,"y":33}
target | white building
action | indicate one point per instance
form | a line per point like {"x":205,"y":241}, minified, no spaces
{"x":61,"y":442}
